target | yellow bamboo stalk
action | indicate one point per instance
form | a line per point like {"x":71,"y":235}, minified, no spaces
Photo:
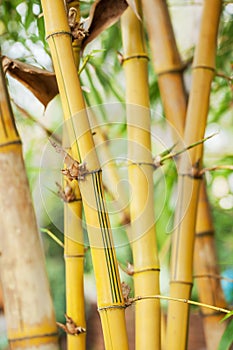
{"x":209,"y":288}
{"x":162,"y":51}
{"x":109,"y":293}
{"x":111,"y":176}
{"x":166,"y":61}
{"x":143,"y":238}
{"x":27,"y":301}
{"x":73,"y":233}
{"x":74,"y":267}
{"x":188,"y":183}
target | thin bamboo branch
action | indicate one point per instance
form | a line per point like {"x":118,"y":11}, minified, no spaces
{"x":27,"y":301}
{"x":180,"y":300}
{"x":109,"y":293}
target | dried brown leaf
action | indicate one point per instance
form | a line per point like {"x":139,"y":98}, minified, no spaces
{"x":41,"y":83}
{"x":103,"y":14}
{"x":71,"y":327}
{"x":125,"y":291}
{"x":74,"y":170}
{"x":67,"y":193}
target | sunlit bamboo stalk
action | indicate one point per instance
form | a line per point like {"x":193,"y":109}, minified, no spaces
{"x":73,"y":230}
{"x":143,"y":238}
{"x":160,"y":50}
{"x":27,"y":301}
{"x":189,"y":180}
{"x":109,"y":293}
{"x":167,"y":62}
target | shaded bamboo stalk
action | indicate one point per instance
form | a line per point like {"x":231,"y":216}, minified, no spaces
{"x":163,"y":50}
{"x":27,"y":301}
{"x":209,"y":288}
{"x":167,"y":62}
{"x":143,"y":237}
{"x":73,"y":232}
{"x":109,"y":293}
{"x":189,"y":179}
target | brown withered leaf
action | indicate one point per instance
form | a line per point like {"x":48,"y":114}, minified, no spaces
{"x":125,"y":291}
{"x":74,"y":170}
{"x":41,"y":83}
{"x":67,"y":193}
{"x":71,"y":327}
{"x":103,"y":14}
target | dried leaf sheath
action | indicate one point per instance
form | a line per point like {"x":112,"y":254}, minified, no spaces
{"x":27,"y":300}
{"x":143,"y":238}
{"x":110,"y":299}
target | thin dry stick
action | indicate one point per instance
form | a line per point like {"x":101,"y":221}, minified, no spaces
{"x":180,"y":300}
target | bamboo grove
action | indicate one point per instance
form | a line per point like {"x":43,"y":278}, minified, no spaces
{"x":90,"y":179}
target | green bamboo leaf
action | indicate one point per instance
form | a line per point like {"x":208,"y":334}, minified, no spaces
{"x":227,"y":316}
{"x":227,"y":338}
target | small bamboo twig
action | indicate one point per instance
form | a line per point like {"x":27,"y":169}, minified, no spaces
{"x":53,"y":236}
{"x":180,"y":300}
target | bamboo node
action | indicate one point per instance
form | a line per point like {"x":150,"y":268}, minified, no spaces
{"x":43,"y":335}
{"x":71,"y":327}
{"x":60,"y":32}
{"x":147,"y":269}
{"x":123,"y":59}
{"x":70,"y":256}
{"x":174,"y":70}
{"x":105,"y":308}
{"x":203,"y":66}
{"x":15,"y":142}
{"x":204,"y":233}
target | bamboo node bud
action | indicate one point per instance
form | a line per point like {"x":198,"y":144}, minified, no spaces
{"x":129,"y":270}
{"x":77,"y":30}
{"x":67,"y":194}
{"x":71,"y":327}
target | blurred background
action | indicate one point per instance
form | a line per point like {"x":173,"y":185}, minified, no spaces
{"x":22,"y":37}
